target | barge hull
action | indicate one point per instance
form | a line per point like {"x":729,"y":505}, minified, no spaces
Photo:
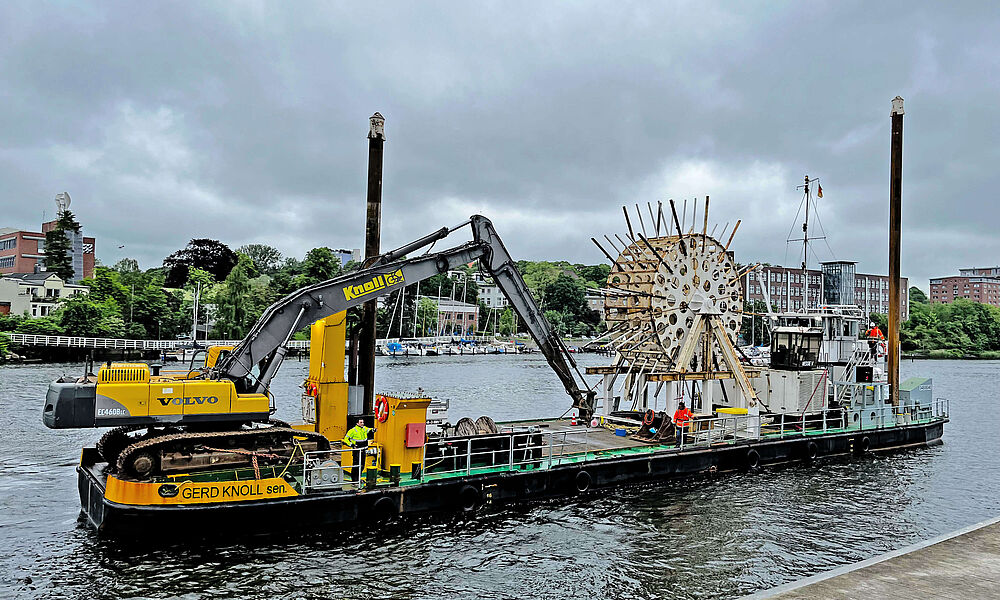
{"x":466,"y":494}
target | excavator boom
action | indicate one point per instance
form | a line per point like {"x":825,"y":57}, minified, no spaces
{"x":265,"y":345}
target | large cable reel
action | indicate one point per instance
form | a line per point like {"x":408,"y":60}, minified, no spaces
{"x":656,"y":289}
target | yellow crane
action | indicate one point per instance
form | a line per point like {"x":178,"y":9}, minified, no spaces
{"x":221,"y":415}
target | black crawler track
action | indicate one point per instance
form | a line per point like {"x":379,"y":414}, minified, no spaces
{"x":114,"y":441}
{"x":260,"y":439}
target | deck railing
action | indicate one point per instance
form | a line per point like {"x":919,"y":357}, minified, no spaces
{"x":523,"y":449}
{"x":863,"y":418}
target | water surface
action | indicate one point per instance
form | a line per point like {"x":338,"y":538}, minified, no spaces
{"x":711,"y":538}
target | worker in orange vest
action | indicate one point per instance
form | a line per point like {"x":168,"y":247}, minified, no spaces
{"x":874,"y":337}
{"x":681,"y":417}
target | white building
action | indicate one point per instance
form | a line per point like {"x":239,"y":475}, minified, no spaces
{"x":491,"y":296}
{"x":34,"y":294}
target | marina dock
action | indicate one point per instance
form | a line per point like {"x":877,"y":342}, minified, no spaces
{"x":963,"y":564}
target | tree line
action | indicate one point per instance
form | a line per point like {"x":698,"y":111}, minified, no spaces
{"x":235,"y":286}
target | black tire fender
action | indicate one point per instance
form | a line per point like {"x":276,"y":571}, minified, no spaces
{"x":752,"y":459}
{"x":862,"y":446}
{"x":384,"y":509}
{"x":812,"y":451}
{"x":469,"y":498}
{"x":583,"y":481}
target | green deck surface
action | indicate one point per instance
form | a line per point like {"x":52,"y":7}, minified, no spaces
{"x":628,"y":448}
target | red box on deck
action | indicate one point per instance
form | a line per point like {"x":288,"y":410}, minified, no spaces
{"x":415,"y":435}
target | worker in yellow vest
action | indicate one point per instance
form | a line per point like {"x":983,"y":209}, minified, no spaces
{"x":357,"y":437}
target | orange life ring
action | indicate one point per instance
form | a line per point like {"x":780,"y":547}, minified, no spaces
{"x":381,"y":409}
{"x":312,"y":389}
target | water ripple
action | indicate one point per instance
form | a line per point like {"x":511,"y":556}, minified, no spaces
{"x":717,"y":537}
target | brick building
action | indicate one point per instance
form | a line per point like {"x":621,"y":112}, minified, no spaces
{"x":837,"y":282}
{"x":457,"y":318}
{"x":22,"y":251}
{"x":980,"y":284}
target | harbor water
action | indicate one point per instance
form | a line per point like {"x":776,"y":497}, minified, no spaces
{"x":719,"y":537}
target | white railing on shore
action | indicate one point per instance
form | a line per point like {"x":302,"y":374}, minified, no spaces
{"x":65,"y":341}
{"x":28,"y":339}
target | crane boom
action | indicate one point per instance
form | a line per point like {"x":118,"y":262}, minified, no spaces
{"x":265,"y":345}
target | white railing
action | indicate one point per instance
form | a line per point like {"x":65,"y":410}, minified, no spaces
{"x":536,"y":450}
{"x":29,"y":339}
{"x":324,"y":470}
{"x":862,"y":418}
{"x":512,"y":451}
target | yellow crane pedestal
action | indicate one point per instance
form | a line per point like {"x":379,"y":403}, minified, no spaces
{"x":325,"y":399}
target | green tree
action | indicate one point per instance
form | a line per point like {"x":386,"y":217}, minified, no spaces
{"x":917,"y":296}
{"x":319,"y":265}
{"x":106,"y":283}
{"x":427,"y":316}
{"x":233,"y":301}
{"x":265,"y":258}
{"x":555,"y":319}
{"x":198,"y":277}
{"x":594,"y":276}
{"x":126,"y":265}
{"x":58,"y":248}
{"x":40,"y":326}
{"x":507,"y":322}
{"x":87,"y":317}
{"x":565,"y":294}
{"x":10,"y":322}
{"x":200,"y":253}
{"x":81,"y":316}
{"x":538,"y":275}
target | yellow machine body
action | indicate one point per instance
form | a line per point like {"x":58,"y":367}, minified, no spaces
{"x":402,"y":435}
{"x":127,"y":393}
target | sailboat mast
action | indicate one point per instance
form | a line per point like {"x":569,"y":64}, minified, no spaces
{"x":805,"y":251}
{"x":194,"y":310}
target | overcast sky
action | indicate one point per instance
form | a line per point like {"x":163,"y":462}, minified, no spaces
{"x":246,"y":122}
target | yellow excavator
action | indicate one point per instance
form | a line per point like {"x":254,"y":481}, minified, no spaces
{"x":220,"y":415}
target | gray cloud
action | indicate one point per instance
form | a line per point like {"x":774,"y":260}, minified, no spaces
{"x":247,"y":121}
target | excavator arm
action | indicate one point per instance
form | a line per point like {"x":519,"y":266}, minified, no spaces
{"x":266,"y":344}
{"x":500,"y":266}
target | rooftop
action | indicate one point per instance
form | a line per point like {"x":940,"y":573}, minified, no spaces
{"x":41,"y":276}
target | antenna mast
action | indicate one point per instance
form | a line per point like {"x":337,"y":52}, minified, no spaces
{"x":805,"y":249}
{"x":805,"y":241}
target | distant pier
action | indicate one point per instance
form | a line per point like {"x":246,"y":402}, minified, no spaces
{"x":65,"y":341}
{"x":962,"y":565}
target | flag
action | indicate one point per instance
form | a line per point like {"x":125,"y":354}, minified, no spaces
{"x":819,"y":191}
